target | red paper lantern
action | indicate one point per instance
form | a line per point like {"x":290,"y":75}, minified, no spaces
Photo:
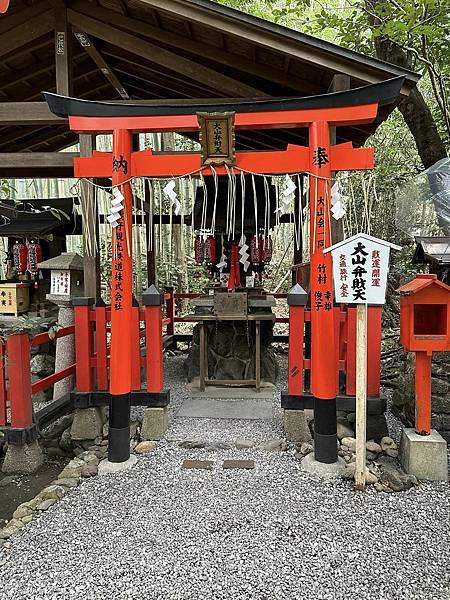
{"x":267,"y":250}
{"x":209,"y":250}
{"x":199,"y":250}
{"x":34,"y":257}
{"x":20,"y":255}
{"x":255,"y":250}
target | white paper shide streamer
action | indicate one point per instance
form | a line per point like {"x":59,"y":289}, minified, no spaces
{"x":222,"y":264}
{"x":169,"y":191}
{"x":287,"y":196}
{"x":116,"y":208}
{"x":337,"y":202}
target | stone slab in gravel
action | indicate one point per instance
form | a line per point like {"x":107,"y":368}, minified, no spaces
{"x":245,"y":409}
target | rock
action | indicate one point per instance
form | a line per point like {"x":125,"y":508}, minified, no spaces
{"x":273,"y":445}
{"x":378,"y":486}
{"x":350,"y":442}
{"x":68,"y":482}
{"x":392,"y":478}
{"x":70,"y":473}
{"x":58,"y":427}
{"x":89,"y":471}
{"x":65,"y":441}
{"x":388,"y":443}
{"x":349,"y":471}
{"x":242,"y":443}
{"x":371,"y":478}
{"x":351,"y":418}
{"x":190,"y":444}
{"x":372,"y":446}
{"x":387,"y":489}
{"x":27,"y":519}
{"x":34,"y":502}
{"x":134,"y":429}
{"x":408,"y":481}
{"x":87,"y":424}
{"x":46,"y":504}
{"x":22,"y":511}
{"x":344,"y":430}
{"x":306,"y":448}
{"x":53,"y":492}
{"x":145,"y":447}
{"x":42,"y":364}
{"x":89,"y":457}
{"x":392,"y":452}
{"x":371,"y":455}
{"x":11,"y":528}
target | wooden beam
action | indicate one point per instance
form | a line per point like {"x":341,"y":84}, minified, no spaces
{"x":158,"y":55}
{"x":185,"y":44}
{"x":86,"y":43}
{"x":22,"y":34}
{"x":20,"y":17}
{"x":13,"y":160}
{"x":28,"y":113}
{"x":63,"y":50}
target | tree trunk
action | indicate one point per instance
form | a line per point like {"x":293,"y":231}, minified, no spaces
{"x":414,"y":109}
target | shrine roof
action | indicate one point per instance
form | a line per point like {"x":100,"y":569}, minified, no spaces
{"x":421,"y":282}
{"x":141,"y":50}
{"x":432,"y":250}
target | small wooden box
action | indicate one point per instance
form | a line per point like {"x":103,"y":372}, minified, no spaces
{"x":14,"y":298}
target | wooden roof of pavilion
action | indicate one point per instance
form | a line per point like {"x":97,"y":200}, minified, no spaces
{"x":165,"y":49}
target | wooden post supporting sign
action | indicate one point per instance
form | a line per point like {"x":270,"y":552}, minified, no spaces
{"x":360,"y":270}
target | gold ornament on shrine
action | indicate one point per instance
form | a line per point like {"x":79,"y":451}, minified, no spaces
{"x":217,"y":138}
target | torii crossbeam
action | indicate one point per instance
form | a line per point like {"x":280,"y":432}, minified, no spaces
{"x":320,"y":159}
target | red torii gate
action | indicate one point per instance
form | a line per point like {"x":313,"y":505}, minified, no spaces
{"x":318,"y":114}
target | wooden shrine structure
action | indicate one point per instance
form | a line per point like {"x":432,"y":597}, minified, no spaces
{"x":300,"y":104}
{"x":153,"y":50}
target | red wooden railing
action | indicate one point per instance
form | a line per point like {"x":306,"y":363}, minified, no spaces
{"x":92,"y":348}
{"x":17,"y":392}
{"x":345,"y":333}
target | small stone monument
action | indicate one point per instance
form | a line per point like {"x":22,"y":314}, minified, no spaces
{"x":66,"y":283}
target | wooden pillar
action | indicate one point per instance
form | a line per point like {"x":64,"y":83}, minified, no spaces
{"x":63,"y":50}
{"x":90,"y":228}
{"x":339,"y":83}
{"x":150,"y":237}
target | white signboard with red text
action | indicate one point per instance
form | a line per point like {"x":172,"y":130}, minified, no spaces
{"x":360,"y":269}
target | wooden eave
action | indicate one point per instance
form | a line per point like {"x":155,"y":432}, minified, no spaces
{"x":166,"y":49}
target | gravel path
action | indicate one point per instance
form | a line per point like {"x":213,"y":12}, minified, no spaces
{"x":160,"y":532}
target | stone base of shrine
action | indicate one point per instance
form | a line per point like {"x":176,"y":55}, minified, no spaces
{"x":424,"y":456}
{"x":154,"y":423}
{"x":231,"y":352}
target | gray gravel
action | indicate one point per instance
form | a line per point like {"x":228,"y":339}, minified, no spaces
{"x":160,"y":532}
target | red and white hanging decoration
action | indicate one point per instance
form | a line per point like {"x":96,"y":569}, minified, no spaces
{"x":116,"y":208}
{"x":199,"y":250}
{"x":20,"y":255}
{"x":34,"y":258}
{"x":267,"y":250}
{"x":209,"y":250}
{"x":255,"y":250}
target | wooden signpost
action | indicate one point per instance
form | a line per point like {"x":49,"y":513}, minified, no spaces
{"x":360,"y":270}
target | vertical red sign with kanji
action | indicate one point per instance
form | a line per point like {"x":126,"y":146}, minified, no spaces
{"x":122,"y":268}
{"x":323,"y":347}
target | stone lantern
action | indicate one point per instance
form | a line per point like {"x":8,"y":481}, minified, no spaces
{"x":66,"y":283}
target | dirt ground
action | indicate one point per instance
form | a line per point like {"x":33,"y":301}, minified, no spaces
{"x":15,"y":489}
